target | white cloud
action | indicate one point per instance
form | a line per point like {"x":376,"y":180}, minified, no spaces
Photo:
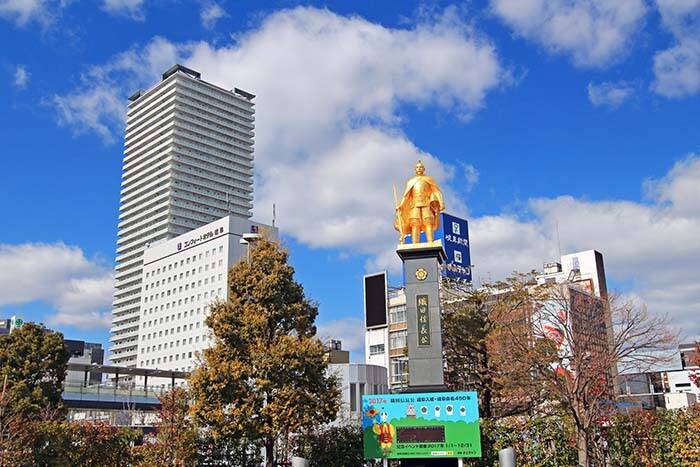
{"x":130,"y":8}
{"x":592,"y":32}
{"x":23,"y":12}
{"x":79,"y":289}
{"x":346,"y":189}
{"x":210,"y":14}
{"x":470,"y":176}
{"x":21,"y":77}
{"x":100,"y":104}
{"x":650,"y":247}
{"x":609,"y":94}
{"x":325,"y":154}
{"x":351,"y":331}
{"x":653,"y":246}
{"x":677,"y":69}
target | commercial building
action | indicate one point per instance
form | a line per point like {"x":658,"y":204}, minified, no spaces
{"x":582,"y":274}
{"x":585,"y":269}
{"x":181,"y":278}
{"x":188,"y":161}
{"x":354,"y":380}
{"x":387,"y":345}
{"x":689,"y":355}
{"x":9,"y":325}
{"x":671,"y":388}
{"x":87,"y":353}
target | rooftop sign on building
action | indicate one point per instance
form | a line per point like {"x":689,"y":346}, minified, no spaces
{"x":454,"y":233}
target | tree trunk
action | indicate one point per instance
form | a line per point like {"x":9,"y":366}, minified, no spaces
{"x":269,"y":453}
{"x":582,"y":445}
{"x":487,"y":396}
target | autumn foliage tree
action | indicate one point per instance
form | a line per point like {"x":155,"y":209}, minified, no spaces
{"x":695,"y":361}
{"x":576,"y":345}
{"x":654,"y":438}
{"x":265,"y":376}
{"x":543,"y":349}
{"x":176,"y":439}
{"x":477,"y":326}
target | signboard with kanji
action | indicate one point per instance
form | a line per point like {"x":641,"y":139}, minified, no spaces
{"x":421,"y":425}
{"x":423,"y":314}
{"x":454,"y":233}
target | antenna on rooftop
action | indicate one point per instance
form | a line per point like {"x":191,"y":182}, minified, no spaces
{"x":556,"y":227}
{"x":274,"y":214}
{"x":228,"y":203}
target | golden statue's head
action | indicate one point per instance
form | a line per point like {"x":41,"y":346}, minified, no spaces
{"x":420,"y":168}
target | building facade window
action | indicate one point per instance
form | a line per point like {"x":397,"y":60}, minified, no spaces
{"x":399,"y":371}
{"x":376,"y":349}
{"x":397,"y":340}
{"x":353,"y":398}
{"x":397,"y":314}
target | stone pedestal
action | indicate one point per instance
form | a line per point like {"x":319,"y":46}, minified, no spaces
{"x":422,"y":282}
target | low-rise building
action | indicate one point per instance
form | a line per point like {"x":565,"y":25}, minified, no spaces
{"x":88,"y":353}
{"x":9,"y":325}
{"x":354,"y":381}
{"x":671,"y":388}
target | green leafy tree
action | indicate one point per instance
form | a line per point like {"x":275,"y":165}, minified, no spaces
{"x":265,"y":378}
{"x":33,"y":363}
{"x":68,"y":444}
{"x":541,"y":441}
{"x":668,"y":437}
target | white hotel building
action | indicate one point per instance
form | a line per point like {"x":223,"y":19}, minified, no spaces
{"x":188,"y":161}
{"x":181,"y":278}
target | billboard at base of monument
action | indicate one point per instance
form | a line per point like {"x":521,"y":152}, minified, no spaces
{"x":421,"y":425}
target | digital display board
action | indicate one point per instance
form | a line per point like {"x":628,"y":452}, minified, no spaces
{"x":421,"y":425}
{"x":376,"y":300}
{"x":454,"y":233}
{"x":420,"y":434}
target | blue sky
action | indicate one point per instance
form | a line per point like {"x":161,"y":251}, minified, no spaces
{"x":577,"y":114}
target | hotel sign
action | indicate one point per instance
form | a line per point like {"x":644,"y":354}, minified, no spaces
{"x":199,"y":239}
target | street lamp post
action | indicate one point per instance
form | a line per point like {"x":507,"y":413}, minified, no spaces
{"x":247,"y":239}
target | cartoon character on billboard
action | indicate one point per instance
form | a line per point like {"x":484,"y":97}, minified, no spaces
{"x":386,"y":432}
{"x":410,"y":411}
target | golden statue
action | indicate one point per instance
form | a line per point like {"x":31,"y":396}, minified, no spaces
{"x":420,"y":207}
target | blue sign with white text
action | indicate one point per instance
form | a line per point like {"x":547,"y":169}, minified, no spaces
{"x":454,"y":233}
